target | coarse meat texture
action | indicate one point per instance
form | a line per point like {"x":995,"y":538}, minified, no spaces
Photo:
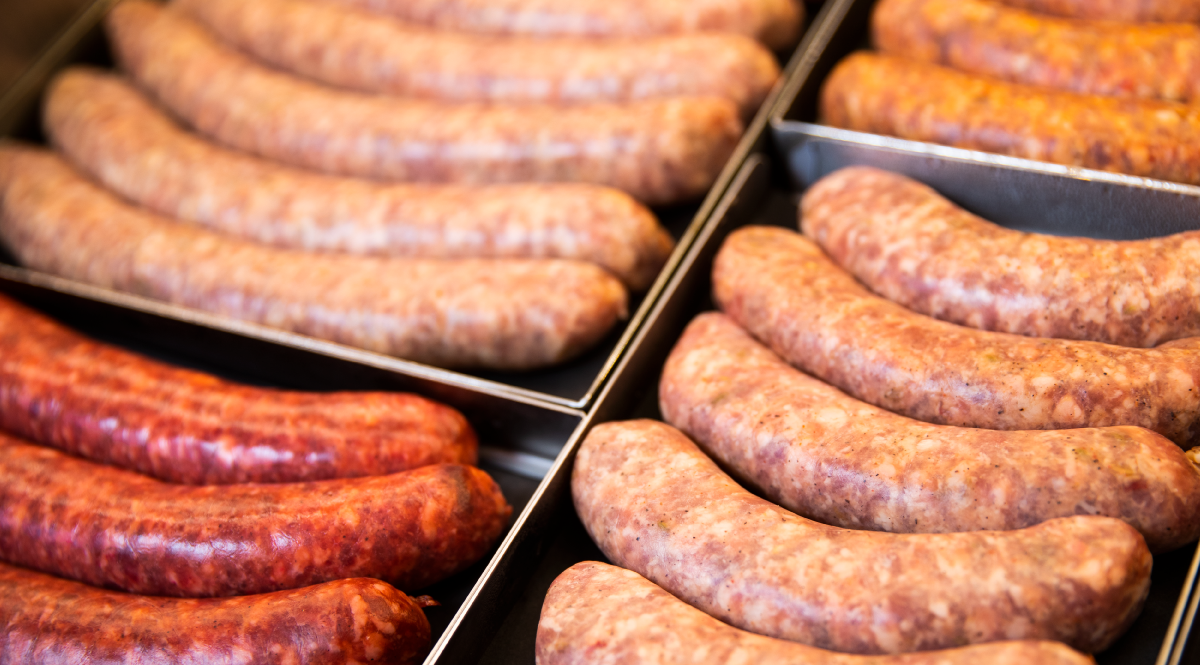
{"x":1132,"y":11}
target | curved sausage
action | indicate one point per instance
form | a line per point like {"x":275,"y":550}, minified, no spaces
{"x":986,"y":38}
{"x":596,"y":613}
{"x":912,"y":246}
{"x":346,"y":47}
{"x":659,"y":151}
{"x":655,"y":504}
{"x":923,"y":102}
{"x":1169,"y":11}
{"x":114,"y":528}
{"x":51,"y":621}
{"x":776,"y":23}
{"x":106,"y":127}
{"x":829,"y":457}
{"x":101,"y":402}
{"x":499,"y":313}
{"x":782,"y":289}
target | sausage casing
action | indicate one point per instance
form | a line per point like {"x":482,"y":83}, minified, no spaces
{"x":107,"y":128}
{"x":114,"y":528}
{"x":1167,"y":11}
{"x":51,"y":621}
{"x":782,"y":289}
{"x":923,"y":102}
{"x":500,"y":313}
{"x":655,"y":504}
{"x":829,"y":457}
{"x":659,"y":151}
{"x":599,"y":613}
{"x":912,"y":246}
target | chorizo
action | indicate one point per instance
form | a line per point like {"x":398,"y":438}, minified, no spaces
{"x":346,"y":47}
{"x":780,"y":287}
{"x":49,"y":621}
{"x":107,"y":128}
{"x":1167,"y":11}
{"x":655,"y":504}
{"x":498,"y":313}
{"x":829,"y":457}
{"x":114,"y":528}
{"x":596,"y":613}
{"x":919,"y":101}
{"x":659,"y":151}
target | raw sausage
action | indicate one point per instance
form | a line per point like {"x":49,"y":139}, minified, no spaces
{"x":986,"y":38}
{"x":51,"y":621}
{"x":777,"y":23}
{"x":107,"y":128}
{"x":656,"y":505}
{"x":913,"y":247}
{"x":101,"y":402}
{"x":1169,"y":11}
{"x":114,"y":528}
{"x":780,"y":287}
{"x":347,"y":47}
{"x":923,"y":102}
{"x":596,"y":613}
{"x":659,"y":151}
{"x":500,"y":313}
{"x":829,"y":457}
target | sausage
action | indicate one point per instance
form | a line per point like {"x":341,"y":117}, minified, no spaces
{"x":776,"y":23}
{"x":1168,"y":11}
{"x":913,"y":247}
{"x":347,"y":47}
{"x":782,"y":289}
{"x":829,"y":457}
{"x":596,"y":613}
{"x":107,"y":128}
{"x":51,"y":621}
{"x":986,"y":38}
{"x":923,"y":102}
{"x":61,"y":389}
{"x":656,"y":505}
{"x":659,"y":151}
{"x":114,"y":528}
{"x":499,"y":313}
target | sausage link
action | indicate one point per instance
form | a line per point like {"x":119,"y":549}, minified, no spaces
{"x":776,"y":23}
{"x":500,"y":313}
{"x":923,"y":102}
{"x":782,"y":289}
{"x":912,"y":246}
{"x":101,"y":402}
{"x":655,"y":504}
{"x":1167,"y":11}
{"x":829,"y":457}
{"x":659,"y":151}
{"x":48,"y":621}
{"x":114,"y":528}
{"x":1095,"y":57}
{"x":110,"y":130}
{"x":346,"y":47}
{"x":596,"y":613}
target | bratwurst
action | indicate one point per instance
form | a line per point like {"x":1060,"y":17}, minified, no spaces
{"x":1133,"y":11}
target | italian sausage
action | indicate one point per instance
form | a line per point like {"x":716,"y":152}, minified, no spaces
{"x":659,"y":151}
{"x":829,"y":457}
{"x":982,"y":37}
{"x":776,"y":23}
{"x":499,"y":313}
{"x":656,"y":505}
{"x":107,"y":128}
{"x":101,"y":402}
{"x":913,"y":247}
{"x":52,"y":621}
{"x":114,"y":528}
{"x":596,"y":613}
{"x":1168,"y":11}
{"x":923,"y":102}
{"x":782,"y":289}
{"x":347,"y":47}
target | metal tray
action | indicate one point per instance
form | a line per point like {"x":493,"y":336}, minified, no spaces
{"x":761,"y":194}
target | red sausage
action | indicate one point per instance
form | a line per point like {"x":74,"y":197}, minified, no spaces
{"x":49,"y":621}
{"x":1116,"y":10}
{"x":114,"y":528}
